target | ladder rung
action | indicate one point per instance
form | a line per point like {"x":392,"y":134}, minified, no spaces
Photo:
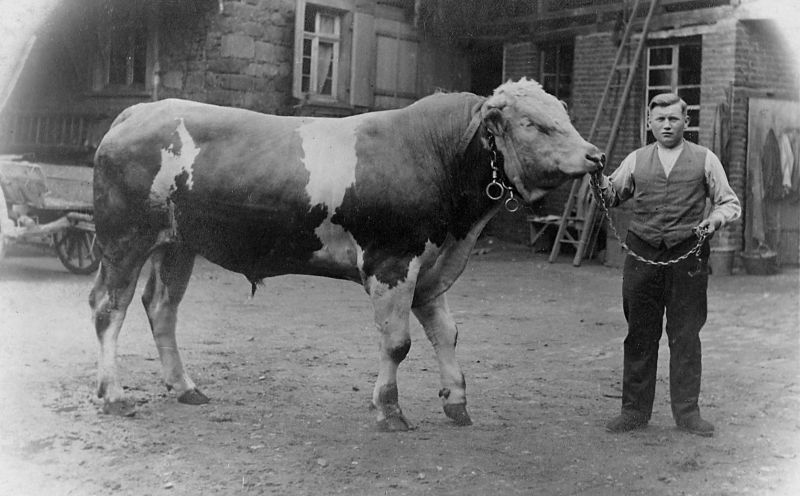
{"x":623,"y":67}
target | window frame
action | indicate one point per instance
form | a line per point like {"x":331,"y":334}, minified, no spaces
{"x":674,"y":86}
{"x":337,"y":39}
{"x":128,"y":40}
{"x":125,"y":30}
{"x":559,"y":73}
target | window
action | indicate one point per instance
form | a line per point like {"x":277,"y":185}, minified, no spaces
{"x":676,"y":68}
{"x":127,"y":63}
{"x":121,"y":64}
{"x":555,"y":70}
{"x":319,"y":56}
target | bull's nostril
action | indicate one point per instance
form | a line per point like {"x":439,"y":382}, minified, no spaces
{"x":598,"y":159}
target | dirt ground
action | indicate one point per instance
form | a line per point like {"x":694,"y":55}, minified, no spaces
{"x":290,"y":374}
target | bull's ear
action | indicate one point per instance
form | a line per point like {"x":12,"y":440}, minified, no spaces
{"x":493,"y":116}
{"x":495,"y":121}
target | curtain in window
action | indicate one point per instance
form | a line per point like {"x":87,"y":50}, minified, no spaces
{"x":324,"y":67}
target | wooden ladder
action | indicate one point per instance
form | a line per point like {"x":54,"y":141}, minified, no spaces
{"x":580,"y":210}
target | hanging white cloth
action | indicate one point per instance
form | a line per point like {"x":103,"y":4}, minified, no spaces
{"x":787,"y":162}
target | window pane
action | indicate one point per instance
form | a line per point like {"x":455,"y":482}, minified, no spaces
{"x":327,"y":24}
{"x":661,"y":56}
{"x":694,"y":117}
{"x":689,"y":64}
{"x":549,"y":60}
{"x":651,"y":93}
{"x":549,"y":84}
{"x":692,"y":136}
{"x":325,"y":68}
{"x":311,"y":15}
{"x":118,"y":61}
{"x":565,"y":59}
{"x":659,"y":77}
{"x":690,"y":95}
{"x":139,"y":57}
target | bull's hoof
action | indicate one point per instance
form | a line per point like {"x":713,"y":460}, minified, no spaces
{"x":394,"y":423}
{"x":119,"y":408}
{"x":458,"y":413}
{"x":193,"y":397}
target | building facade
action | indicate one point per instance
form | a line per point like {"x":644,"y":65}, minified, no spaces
{"x":93,"y":58}
{"x":721,"y":56}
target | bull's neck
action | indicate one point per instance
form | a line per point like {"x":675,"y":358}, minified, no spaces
{"x":458,"y":137}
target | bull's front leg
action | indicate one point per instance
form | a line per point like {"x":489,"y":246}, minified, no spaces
{"x":440,"y":327}
{"x":392,"y":305}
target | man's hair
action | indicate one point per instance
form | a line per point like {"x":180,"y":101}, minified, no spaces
{"x":667,"y":99}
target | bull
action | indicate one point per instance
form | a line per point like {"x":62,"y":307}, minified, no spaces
{"x":392,"y":200}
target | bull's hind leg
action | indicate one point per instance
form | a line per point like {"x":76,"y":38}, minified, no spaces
{"x":392,"y":305}
{"x":109,"y":299}
{"x":169,"y":277}
{"x":441,"y":330}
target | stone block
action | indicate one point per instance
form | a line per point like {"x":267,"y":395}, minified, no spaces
{"x":236,"y":82}
{"x":194,"y":81}
{"x":265,"y":52}
{"x":238,"y":45}
{"x":254,"y":29}
{"x":227,"y":65}
{"x":172,"y":79}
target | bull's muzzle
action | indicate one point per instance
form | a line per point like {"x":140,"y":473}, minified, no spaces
{"x":598,"y":158}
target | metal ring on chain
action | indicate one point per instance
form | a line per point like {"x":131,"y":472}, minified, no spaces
{"x":493,"y":187}
{"x":512,"y":204}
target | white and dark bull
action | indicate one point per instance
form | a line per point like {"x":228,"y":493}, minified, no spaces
{"x":392,"y":200}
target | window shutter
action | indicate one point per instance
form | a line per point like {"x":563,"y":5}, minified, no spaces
{"x":362,"y":78}
{"x":299,"y":19}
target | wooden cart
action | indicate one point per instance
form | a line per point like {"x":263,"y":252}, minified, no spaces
{"x":31,"y":214}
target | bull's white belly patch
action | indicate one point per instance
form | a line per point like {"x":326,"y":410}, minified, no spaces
{"x":329,"y":155}
{"x":173,"y":164}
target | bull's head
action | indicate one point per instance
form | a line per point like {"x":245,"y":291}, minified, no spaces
{"x":541,"y":149}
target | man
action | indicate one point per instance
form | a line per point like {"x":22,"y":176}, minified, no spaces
{"x":668,"y":183}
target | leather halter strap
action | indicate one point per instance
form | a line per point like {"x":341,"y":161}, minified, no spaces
{"x":472,"y":128}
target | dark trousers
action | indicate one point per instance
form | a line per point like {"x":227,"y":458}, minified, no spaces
{"x":649,"y":293}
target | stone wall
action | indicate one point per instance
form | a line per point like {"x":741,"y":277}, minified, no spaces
{"x":241,"y":57}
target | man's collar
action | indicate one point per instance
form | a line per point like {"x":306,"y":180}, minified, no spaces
{"x":677,"y":147}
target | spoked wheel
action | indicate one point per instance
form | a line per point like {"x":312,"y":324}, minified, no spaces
{"x":78,"y":250}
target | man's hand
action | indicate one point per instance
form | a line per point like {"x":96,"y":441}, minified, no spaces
{"x":710,"y":225}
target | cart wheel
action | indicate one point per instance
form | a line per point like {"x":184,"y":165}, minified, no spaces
{"x":78,"y":250}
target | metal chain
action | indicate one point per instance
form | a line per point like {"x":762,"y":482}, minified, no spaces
{"x":702,"y":234}
{"x":498,"y":188}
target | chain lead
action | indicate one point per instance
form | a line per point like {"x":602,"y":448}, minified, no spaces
{"x":497,"y":188}
{"x":701,"y":233}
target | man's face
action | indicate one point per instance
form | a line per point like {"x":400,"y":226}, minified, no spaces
{"x":667,"y":124}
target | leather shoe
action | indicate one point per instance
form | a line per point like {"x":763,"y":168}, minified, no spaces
{"x":694,"y":424}
{"x":627,"y":421}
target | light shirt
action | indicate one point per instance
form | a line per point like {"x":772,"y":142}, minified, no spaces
{"x":620,"y":186}
{"x":668,"y":156}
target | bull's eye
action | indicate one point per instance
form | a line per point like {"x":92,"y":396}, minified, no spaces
{"x":540,"y":128}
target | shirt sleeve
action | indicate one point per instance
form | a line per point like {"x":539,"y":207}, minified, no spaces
{"x":619,"y":186}
{"x":725,"y":205}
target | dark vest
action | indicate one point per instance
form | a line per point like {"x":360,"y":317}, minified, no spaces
{"x":666,"y":209}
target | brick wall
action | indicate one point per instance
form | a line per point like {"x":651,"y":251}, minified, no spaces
{"x":719,"y":65}
{"x":764,"y":67}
